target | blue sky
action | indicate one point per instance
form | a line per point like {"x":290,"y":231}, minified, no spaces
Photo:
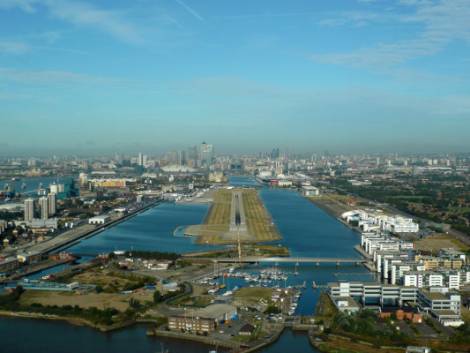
{"x":246,"y":75}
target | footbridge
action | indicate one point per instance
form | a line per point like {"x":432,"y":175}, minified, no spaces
{"x":314,"y":260}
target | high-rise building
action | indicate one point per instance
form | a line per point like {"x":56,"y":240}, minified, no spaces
{"x":142,"y":160}
{"x":28,"y":210}
{"x":206,"y":153}
{"x":43,"y":205}
{"x":57,"y":188}
{"x":52,"y":203}
{"x":275,"y":153}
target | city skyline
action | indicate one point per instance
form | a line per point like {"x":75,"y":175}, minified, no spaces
{"x":358,"y":76}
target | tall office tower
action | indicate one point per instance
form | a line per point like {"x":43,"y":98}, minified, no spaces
{"x":83,"y":178}
{"x":141,"y":159}
{"x":206,"y":154}
{"x":52,"y":203}
{"x":43,"y":205}
{"x":275,"y":153}
{"x":28,"y":210}
{"x":181,"y":158}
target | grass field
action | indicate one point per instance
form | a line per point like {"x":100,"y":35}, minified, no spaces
{"x":338,"y":345}
{"x":439,"y":241}
{"x":216,"y":224}
{"x":257,"y":218}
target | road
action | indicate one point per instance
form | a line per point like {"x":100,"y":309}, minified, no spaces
{"x":76,"y":233}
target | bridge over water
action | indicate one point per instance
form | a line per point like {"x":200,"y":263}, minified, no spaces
{"x":314,"y":260}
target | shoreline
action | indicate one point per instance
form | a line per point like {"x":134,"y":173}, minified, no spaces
{"x":77,"y":321}
{"x":83,"y":322}
{"x":330,"y":211}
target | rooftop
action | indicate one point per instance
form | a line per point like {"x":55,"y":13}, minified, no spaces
{"x":215,"y":311}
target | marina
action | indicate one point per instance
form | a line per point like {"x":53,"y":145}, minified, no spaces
{"x":307,"y":231}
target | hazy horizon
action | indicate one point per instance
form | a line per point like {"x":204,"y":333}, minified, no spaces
{"x":346,"y":76}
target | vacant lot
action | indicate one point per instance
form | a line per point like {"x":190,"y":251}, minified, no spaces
{"x":334,"y":203}
{"x":436,"y":242}
{"x":110,"y":280}
{"x":250,"y":295}
{"x":216,"y":224}
{"x":87,"y":300}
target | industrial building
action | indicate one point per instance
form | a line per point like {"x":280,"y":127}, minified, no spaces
{"x":202,"y":320}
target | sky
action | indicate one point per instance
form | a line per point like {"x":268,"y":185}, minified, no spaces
{"x":246,"y":75}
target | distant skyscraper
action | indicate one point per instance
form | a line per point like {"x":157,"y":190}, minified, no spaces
{"x":142,"y":159}
{"x":28,"y":210}
{"x":51,"y":202}
{"x":43,"y":205}
{"x":206,"y":153}
{"x":275,"y":153}
{"x":83,"y":178}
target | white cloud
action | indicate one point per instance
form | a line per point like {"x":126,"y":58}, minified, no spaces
{"x":13,"y":47}
{"x":355,"y":18}
{"x":81,"y":14}
{"x":50,"y":77}
{"x":442,"y":23}
{"x":25,"y":5}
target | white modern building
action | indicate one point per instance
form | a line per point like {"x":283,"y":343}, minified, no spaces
{"x":375,"y":220}
{"x":443,"y":305}
{"x":97,"y":220}
{"x":308,"y":190}
{"x":44,"y":207}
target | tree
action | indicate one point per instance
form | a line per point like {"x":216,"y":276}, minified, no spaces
{"x":157,"y":297}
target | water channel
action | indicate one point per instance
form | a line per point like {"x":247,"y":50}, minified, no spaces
{"x":306,"y":230}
